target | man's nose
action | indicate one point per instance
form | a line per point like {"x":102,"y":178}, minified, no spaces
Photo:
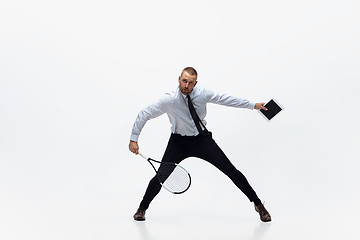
{"x":187,"y":85}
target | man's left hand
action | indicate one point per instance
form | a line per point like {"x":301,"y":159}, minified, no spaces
{"x":259,"y":106}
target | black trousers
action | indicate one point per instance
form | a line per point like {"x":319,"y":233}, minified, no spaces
{"x":204,"y":147}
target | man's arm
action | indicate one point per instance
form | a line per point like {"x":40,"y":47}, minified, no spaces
{"x":231,"y":101}
{"x":152,"y":111}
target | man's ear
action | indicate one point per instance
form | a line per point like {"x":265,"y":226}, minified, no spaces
{"x":195,"y":83}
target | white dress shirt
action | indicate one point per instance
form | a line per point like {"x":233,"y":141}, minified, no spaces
{"x":175,"y":105}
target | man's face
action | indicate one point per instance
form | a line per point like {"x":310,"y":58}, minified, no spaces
{"x":186,"y":83}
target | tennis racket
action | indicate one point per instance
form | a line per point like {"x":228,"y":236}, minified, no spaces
{"x":173,"y":177}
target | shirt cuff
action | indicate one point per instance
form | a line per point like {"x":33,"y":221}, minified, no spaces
{"x":251,"y":105}
{"x":134,"y":137}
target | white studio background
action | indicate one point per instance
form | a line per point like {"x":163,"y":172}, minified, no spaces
{"x":74,"y":75}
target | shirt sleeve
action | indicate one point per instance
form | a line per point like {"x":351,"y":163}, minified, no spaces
{"x":152,"y":111}
{"x":228,"y":100}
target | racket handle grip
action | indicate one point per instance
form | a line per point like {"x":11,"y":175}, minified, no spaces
{"x":142,"y":155}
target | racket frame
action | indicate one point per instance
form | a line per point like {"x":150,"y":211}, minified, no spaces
{"x":156,"y":171}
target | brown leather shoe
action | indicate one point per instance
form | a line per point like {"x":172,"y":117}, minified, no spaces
{"x":264,"y":214}
{"x":140,"y":214}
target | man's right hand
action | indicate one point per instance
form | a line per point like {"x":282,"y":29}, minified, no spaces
{"x":134,"y":147}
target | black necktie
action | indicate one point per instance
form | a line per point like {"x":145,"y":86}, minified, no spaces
{"x":194,"y":115}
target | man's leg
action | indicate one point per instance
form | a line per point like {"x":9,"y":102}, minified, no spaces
{"x":208,"y":150}
{"x":175,"y":152}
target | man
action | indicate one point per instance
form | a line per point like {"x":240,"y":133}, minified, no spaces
{"x":186,"y":109}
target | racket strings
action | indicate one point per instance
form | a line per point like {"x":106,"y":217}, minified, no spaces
{"x":174,"y":178}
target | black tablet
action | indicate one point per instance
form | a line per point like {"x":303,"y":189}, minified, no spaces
{"x":273,"y":109}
